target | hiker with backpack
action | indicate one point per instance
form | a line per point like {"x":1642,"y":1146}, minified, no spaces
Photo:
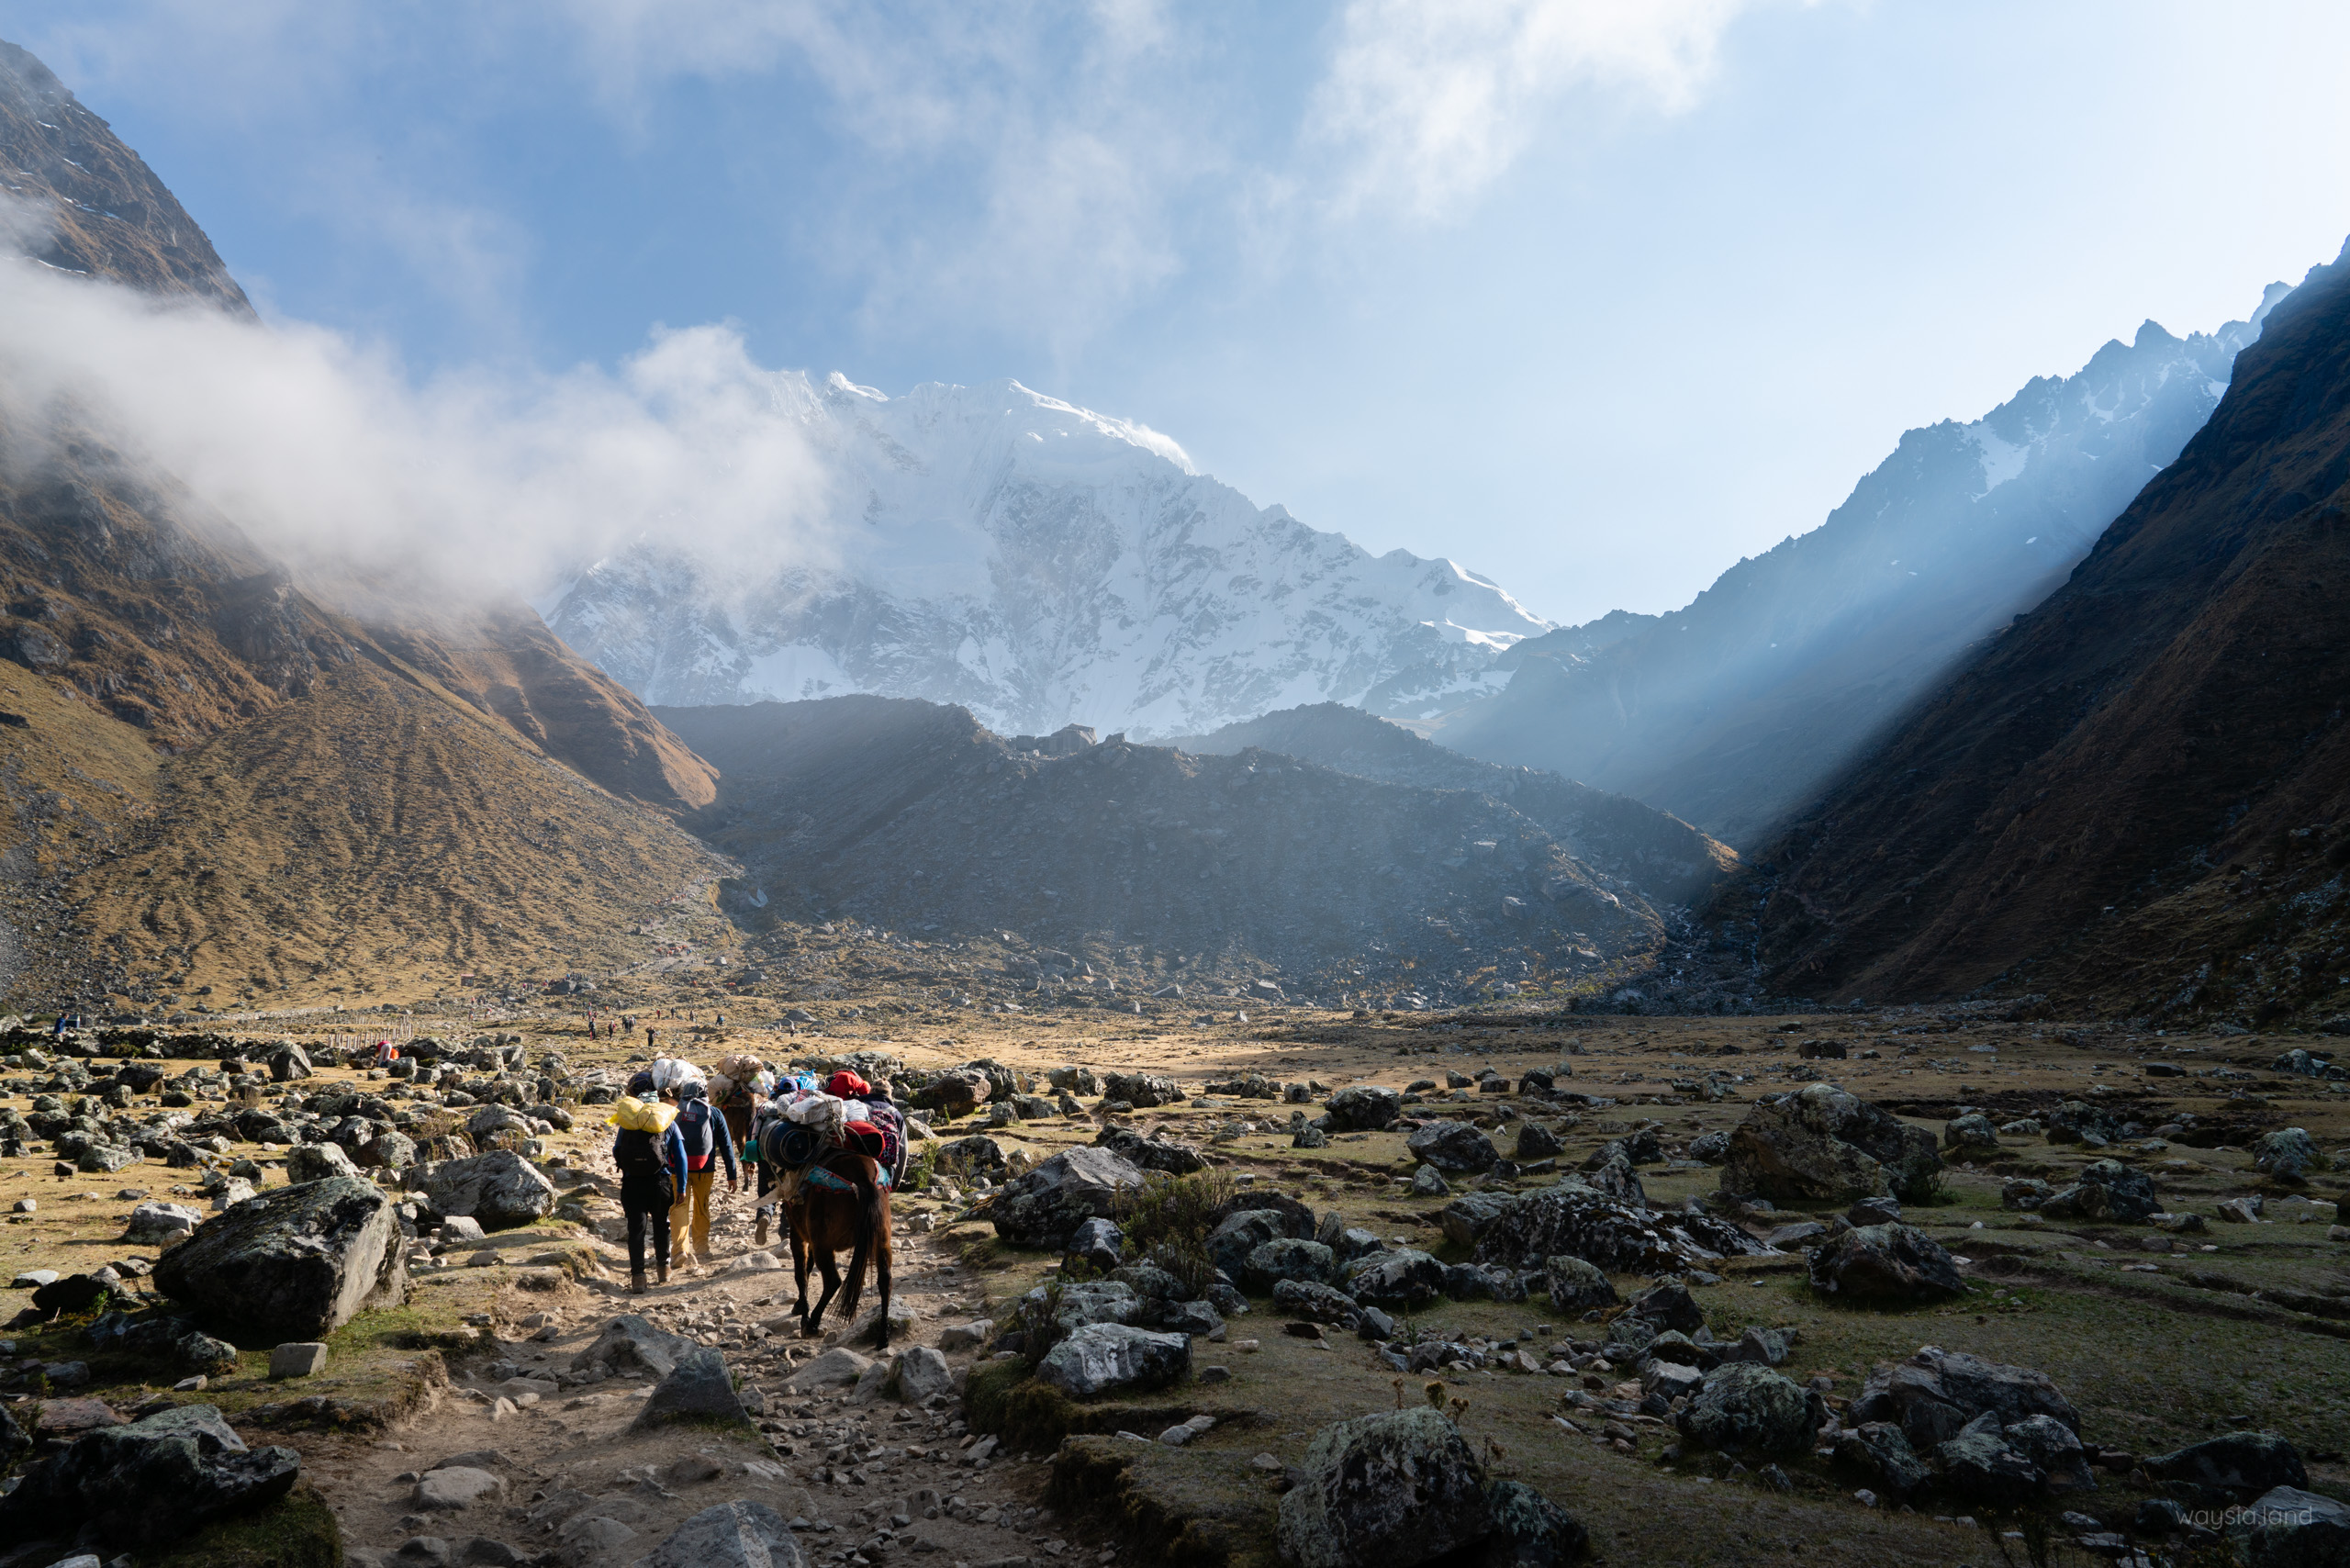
{"x":707,"y":1141}
{"x":653,"y":1168}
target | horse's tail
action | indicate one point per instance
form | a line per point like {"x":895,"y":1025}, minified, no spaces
{"x":869,"y":1229}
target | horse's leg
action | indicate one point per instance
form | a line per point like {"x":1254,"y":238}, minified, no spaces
{"x":882,"y":1260}
{"x":795,"y":1220}
{"x":815,"y":1321}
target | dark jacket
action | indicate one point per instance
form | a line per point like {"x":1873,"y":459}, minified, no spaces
{"x":639,"y":1151}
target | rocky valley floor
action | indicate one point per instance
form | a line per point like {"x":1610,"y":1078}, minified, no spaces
{"x":2158,"y":1338}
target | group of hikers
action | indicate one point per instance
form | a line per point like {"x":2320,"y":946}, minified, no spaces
{"x":678,"y":1126}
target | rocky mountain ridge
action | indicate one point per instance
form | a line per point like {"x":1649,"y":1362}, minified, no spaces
{"x":1735,"y":709}
{"x":2138,"y":792}
{"x":1039,"y":565}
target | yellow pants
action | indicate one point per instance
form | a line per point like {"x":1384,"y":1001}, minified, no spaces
{"x":691,"y":1216}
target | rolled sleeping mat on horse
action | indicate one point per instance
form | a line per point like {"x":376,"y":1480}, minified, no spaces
{"x":788,"y":1145}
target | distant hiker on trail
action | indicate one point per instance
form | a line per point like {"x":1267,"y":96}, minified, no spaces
{"x":653,"y":1165}
{"x":707,"y":1141}
{"x":386,"y":1053}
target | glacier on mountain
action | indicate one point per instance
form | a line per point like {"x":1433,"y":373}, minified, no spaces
{"x":1040,"y":565}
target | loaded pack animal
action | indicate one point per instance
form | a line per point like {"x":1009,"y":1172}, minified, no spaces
{"x":833,"y":1198}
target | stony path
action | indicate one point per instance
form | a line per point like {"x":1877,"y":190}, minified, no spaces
{"x":574,"y":1484}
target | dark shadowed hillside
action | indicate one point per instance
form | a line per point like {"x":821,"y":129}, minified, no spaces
{"x":1667,"y":859}
{"x":913,"y":814}
{"x":2140,"y":792}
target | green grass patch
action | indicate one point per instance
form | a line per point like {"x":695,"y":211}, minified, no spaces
{"x":298,"y":1531}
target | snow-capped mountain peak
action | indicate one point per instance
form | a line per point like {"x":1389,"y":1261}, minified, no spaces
{"x":1040,"y":563}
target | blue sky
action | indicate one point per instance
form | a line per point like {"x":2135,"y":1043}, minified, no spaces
{"x":1593,"y":298}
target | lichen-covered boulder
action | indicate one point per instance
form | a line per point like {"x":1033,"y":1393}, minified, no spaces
{"x":2228,"y":1469}
{"x":1453,"y":1146}
{"x":1572,"y":1219}
{"x":1878,"y":1451}
{"x":500,"y":1190}
{"x":1044,"y":1207}
{"x":1531,"y":1530}
{"x":1885,"y":1263}
{"x":1402,"y":1277}
{"x":294,"y":1263}
{"x":2289,"y":1154}
{"x":2105,"y":1189}
{"x":1935,"y":1392}
{"x":1393,"y":1490}
{"x":1101,"y":1357}
{"x":1271,"y":1262}
{"x":1151,"y":1153}
{"x":1822,"y":1144}
{"x":1743,"y":1407}
{"x":1575,"y":1285}
{"x":1364,"y":1108}
{"x":150,"y":1482}
{"x":1142,"y":1090}
{"x":2288,"y":1527}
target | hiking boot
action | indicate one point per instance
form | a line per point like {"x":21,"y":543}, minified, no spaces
{"x":759,"y":1238}
{"x":636,"y":1281}
{"x":664,"y":1274}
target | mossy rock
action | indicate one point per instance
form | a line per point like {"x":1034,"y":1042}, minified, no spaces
{"x":1185,"y":1507}
{"x":297,"y":1532}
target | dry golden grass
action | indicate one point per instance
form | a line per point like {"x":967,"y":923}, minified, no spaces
{"x":375,"y":838}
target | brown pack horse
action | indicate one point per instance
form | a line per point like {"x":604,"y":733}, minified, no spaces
{"x":825,"y":1218}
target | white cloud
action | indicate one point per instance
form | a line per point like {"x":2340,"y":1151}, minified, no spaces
{"x":1427,"y":101}
{"x":323,"y":452}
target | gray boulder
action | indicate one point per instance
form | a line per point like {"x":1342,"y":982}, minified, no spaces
{"x":1885,"y":1263}
{"x":1098,"y":1244}
{"x":153,"y":1223}
{"x":147,"y":1484}
{"x":1044,"y":1207}
{"x":1404,"y":1277}
{"x":2052,"y":1447}
{"x":732,"y":1535}
{"x":630,"y":1343}
{"x":1824,"y":1145}
{"x":2289,"y":1154}
{"x":1531,"y":1530}
{"x":1396,"y":1489}
{"x":294,"y":1263}
{"x":1742,"y":1407}
{"x":1316,"y":1303}
{"x":1973,"y":1131}
{"x":317,"y":1161}
{"x":697,"y":1389}
{"x":920,"y":1373}
{"x":2228,"y":1469}
{"x":1935,"y":1392}
{"x":1534,"y":1142}
{"x":1142,"y":1090}
{"x":1468,"y":1217}
{"x":1980,"y":1465}
{"x":1271,"y":1262}
{"x":1575,"y":1285}
{"x":1150,"y":1153}
{"x":1878,"y":1451}
{"x":1572,"y":1219}
{"x":1101,"y":1357}
{"x":2288,"y":1527}
{"x":1670,"y":1306}
{"x":1237,"y":1235}
{"x":1453,"y":1146}
{"x":1364,"y":1108}
{"x":2105,"y":1189}
{"x":500,"y":1189}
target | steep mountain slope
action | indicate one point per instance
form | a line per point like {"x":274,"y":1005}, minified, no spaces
{"x":1667,"y":859}
{"x":1734,"y":711}
{"x":85,"y":203}
{"x":1039,"y":565}
{"x":425,"y":767}
{"x":2140,"y":792}
{"x":912,"y":814}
